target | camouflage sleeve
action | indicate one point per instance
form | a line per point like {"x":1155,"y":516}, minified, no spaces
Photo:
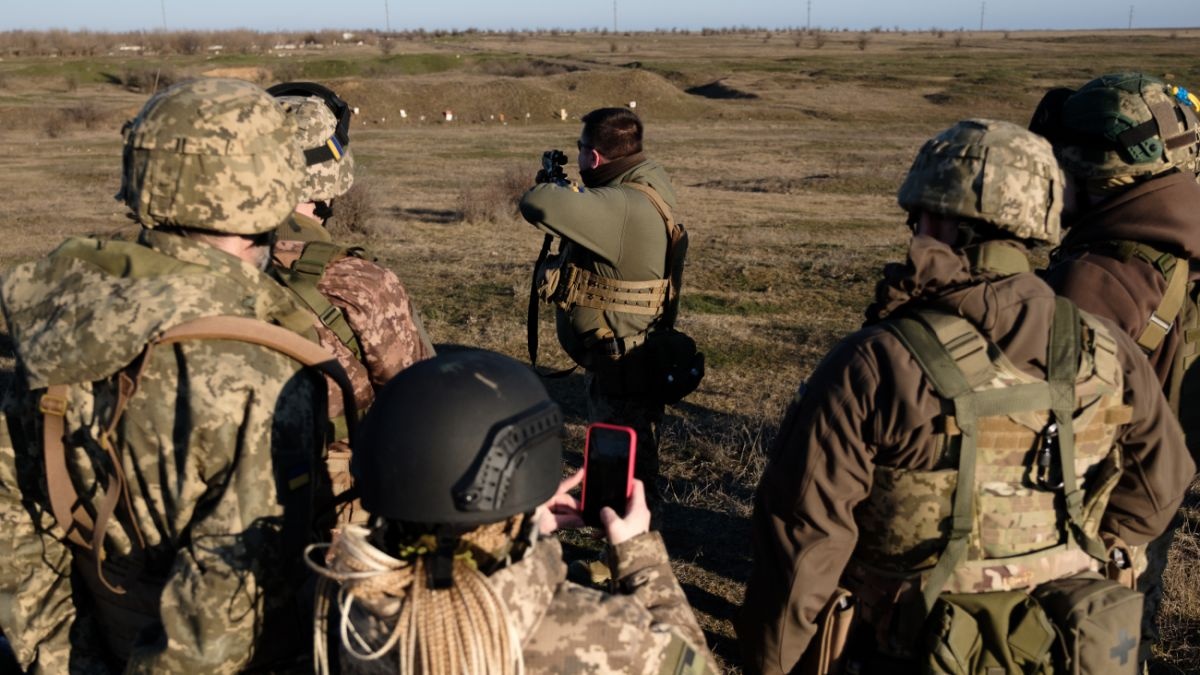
{"x":803,"y":524}
{"x":642,"y":569}
{"x":36,"y":608}
{"x":1158,"y":468}
{"x":246,"y":439}
{"x":380,"y":313}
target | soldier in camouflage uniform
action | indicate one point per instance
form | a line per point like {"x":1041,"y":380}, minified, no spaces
{"x":190,"y":467}
{"x":361,"y":311}
{"x":1130,"y":145}
{"x":878,"y":456}
{"x":459,"y":461}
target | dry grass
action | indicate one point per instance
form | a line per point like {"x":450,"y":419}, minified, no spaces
{"x":786,"y":156}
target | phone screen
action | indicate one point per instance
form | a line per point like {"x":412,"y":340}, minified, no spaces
{"x":609,"y":455}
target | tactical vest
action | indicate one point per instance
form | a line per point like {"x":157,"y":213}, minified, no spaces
{"x":558,"y":280}
{"x":1179,"y":310}
{"x":1034,"y":464}
{"x":125,"y":594}
{"x":301,"y":276}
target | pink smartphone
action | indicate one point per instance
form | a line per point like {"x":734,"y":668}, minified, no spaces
{"x":608,"y":455}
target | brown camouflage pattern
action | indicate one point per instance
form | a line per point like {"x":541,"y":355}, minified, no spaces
{"x":567,"y":628}
{"x":1125,"y":99}
{"x":381,"y":314}
{"x":1016,"y":536}
{"x":315,"y":124}
{"x":217,"y":434}
{"x":992,"y":171}
{"x":212,"y":154}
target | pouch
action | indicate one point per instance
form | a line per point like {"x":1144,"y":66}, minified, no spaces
{"x":988,"y":634}
{"x":1098,"y":622}
{"x":675,"y":365}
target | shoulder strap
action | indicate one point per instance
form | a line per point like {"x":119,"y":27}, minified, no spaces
{"x":302,"y":279}
{"x":677,"y":244}
{"x":64,"y":500}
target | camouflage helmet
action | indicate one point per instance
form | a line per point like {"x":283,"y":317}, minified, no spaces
{"x":211,"y":154}
{"x":462,"y":439}
{"x":1128,"y":125}
{"x":992,"y":171}
{"x":323,"y":121}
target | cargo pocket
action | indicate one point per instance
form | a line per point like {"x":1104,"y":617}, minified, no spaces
{"x":953,"y":640}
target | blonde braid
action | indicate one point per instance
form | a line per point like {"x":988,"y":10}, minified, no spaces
{"x":385,"y":601}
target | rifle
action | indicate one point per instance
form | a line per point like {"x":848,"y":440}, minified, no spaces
{"x":552,"y":170}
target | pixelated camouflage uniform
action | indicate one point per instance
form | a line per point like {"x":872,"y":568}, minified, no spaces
{"x":208,"y":443}
{"x":646,"y":627}
{"x":219,"y":442}
{"x":370,"y":298}
{"x":869,"y":420}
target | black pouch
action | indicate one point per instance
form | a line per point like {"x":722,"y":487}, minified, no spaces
{"x":674,"y":365}
{"x":1098,"y":622}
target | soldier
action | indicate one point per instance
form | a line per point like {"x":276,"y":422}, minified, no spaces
{"x":976,"y":442}
{"x":361,"y":311}
{"x":1128,"y":144}
{"x":459,"y":461}
{"x":158,"y":456}
{"x":615,"y":279}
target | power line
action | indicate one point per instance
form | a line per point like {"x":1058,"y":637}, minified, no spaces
{"x":808,"y":20}
{"x":387,"y":16}
{"x":163,"y":6}
{"x":1131,"y":17}
{"x":614,"y":16}
{"x":982,"y":10}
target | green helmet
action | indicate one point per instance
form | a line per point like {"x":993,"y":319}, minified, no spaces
{"x":323,"y":135}
{"x":1128,"y":125}
{"x":211,"y":154}
{"x":992,"y":171}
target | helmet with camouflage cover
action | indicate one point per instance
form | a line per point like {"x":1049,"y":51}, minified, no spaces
{"x":992,"y":171}
{"x":211,"y":154}
{"x":1128,"y":125}
{"x":322,"y":119}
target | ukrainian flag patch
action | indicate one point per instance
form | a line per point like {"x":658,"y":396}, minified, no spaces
{"x":335,"y":148}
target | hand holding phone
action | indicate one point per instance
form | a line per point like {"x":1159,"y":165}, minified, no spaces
{"x":608,"y":456}
{"x":636,"y":520}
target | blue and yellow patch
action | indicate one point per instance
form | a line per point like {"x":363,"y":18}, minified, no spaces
{"x":334,"y":147}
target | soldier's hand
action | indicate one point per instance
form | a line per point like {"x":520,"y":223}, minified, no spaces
{"x":635,"y":522}
{"x":561,"y":512}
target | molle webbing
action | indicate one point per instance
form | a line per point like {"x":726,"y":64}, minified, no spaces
{"x":954,"y":356}
{"x":68,"y":509}
{"x":302,"y":278}
{"x":587,"y":289}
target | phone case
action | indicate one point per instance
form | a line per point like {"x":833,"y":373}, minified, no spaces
{"x":587,"y":441}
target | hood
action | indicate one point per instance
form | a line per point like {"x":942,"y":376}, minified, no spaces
{"x":1163,"y":212}
{"x":1011,"y":310}
{"x":89,"y":308}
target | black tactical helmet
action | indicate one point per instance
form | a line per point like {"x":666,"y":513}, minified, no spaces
{"x":463,"y":439}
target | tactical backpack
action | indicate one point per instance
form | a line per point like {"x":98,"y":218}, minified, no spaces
{"x":990,"y":567}
{"x":675,"y":367}
{"x":125,"y":603}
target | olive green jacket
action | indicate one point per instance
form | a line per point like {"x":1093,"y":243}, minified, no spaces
{"x":217,"y":438}
{"x":612,"y":231}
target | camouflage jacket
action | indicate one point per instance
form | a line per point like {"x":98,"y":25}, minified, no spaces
{"x":612,"y":231}
{"x":868,"y":404}
{"x":646,"y":627}
{"x":216,"y":440}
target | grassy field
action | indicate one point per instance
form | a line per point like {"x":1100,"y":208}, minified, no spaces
{"x":786,"y":148}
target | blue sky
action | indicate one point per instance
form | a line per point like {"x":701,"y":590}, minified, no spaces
{"x":631,"y":15}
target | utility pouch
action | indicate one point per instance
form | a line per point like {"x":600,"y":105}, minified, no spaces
{"x":676,"y":367}
{"x":1098,"y":623}
{"x":548,"y":277}
{"x":826,"y":651}
{"x":988,"y":634}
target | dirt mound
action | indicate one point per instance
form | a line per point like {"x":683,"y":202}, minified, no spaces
{"x":476,"y":98}
{"x":253,"y":74}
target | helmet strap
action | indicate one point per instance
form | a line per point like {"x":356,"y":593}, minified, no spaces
{"x":441,"y":562}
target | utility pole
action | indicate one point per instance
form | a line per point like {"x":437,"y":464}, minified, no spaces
{"x":614,"y":16}
{"x":1131,"y":17}
{"x":387,"y":17}
{"x":982,"y":10}
{"x":808,"y":21}
{"x":163,"y":5}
